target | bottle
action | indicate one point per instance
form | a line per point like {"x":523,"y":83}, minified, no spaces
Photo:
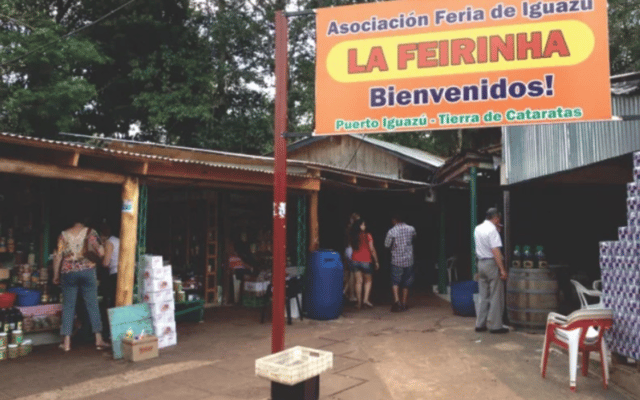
{"x":516,"y":260}
{"x":11,"y":244}
{"x":18,"y":319}
{"x":2,"y":314}
{"x":527,"y":258}
{"x":541,"y":258}
{"x":31,"y":258}
{"x":9,"y":324}
{"x":3,"y":243}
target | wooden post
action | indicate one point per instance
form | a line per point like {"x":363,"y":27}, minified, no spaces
{"x":128,"y":241}
{"x":280,"y":184}
{"x":442,"y":256}
{"x":314,"y":229}
{"x":507,"y":229}
{"x":473,"y":195}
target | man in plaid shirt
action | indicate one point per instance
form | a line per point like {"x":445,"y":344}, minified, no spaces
{"x":400,"y":240}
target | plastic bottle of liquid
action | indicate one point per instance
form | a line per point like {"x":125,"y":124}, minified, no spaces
{"x":527,"y":261}
{"x":516,"y":259}
{"x":541,"y":258}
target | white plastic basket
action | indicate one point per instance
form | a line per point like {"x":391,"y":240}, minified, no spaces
{"x":294,"y":365}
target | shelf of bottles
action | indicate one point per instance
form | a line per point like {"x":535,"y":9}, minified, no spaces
{"x":23,"y":272}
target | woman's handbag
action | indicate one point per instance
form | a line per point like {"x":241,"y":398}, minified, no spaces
{"x":89,"y":253}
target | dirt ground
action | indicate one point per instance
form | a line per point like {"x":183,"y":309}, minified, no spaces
{"x":423,"y":353}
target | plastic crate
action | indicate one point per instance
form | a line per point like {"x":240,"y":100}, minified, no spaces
{"x":294,"y":365}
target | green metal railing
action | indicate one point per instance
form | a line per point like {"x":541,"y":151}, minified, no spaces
{"x":141,"y":247}
{"x":302,"y":238}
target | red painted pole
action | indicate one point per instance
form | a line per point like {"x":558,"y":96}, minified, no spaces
{"x":280,"y":185}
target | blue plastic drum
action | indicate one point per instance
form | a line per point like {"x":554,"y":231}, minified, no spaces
{"x":462,"y":298}
{"x":323,"y":286}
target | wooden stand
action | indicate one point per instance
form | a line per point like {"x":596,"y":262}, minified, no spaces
{"x":211,"y":272}
{"x":306,"y":390}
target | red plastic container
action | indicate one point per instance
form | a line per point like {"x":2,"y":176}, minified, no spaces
{"x":7,"y":300}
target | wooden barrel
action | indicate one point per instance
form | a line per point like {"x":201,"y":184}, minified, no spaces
{"x":531,"y":295}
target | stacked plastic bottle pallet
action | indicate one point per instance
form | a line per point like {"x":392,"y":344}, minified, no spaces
{"x":620,"y":270}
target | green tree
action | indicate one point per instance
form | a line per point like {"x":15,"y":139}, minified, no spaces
{"x":44,"y":87}
{"x":624,"y":36}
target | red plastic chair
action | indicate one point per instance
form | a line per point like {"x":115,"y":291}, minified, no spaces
{"x":581,"y":331}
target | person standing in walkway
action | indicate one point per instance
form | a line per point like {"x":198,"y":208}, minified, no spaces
{"x":363,"y":258}
{"x":110,"y":262}
{"x":400,"y":240}
{"x":491,"y":273}
{"x":349,"y":272}
{"x":74,"y":269}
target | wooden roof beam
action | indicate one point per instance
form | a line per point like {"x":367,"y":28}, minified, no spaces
{"x":58,"y":172}
{"x":189,"y":172}
{"x":68,"y":158}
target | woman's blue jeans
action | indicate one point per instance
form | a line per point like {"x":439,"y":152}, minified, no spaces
{"x":87,"y":283}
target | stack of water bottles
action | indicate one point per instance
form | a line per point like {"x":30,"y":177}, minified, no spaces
{"x":620,"y":269}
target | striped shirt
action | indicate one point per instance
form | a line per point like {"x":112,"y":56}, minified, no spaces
{"x":400,"y":240}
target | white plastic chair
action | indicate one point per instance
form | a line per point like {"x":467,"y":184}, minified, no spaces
{"x":581,"y":331}
{"x":583,"y":292}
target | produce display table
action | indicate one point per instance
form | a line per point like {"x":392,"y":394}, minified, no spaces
{"x":41,"y":323}
{"x":190,"y":311}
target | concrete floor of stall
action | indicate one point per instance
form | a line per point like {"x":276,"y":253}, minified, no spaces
{"x":423,"y":353}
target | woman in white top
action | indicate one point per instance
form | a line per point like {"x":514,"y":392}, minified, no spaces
{"x":110,"y":261}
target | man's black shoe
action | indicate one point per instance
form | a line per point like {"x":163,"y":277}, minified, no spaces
{"x":483,"y":329}
{"x":501,"y":330}
{"x":396,"y":307}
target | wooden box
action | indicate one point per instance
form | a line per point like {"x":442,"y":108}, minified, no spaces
{"x":138,"y":350}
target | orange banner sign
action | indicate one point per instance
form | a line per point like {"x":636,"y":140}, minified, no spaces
{"x":425,"y":65}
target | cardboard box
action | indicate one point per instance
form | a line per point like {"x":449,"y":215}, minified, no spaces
{"x":158,"y":274}
{"x":168,"y":340}
{"x":158,"y":297}
{"x":151,"y":261}
{"x":138,"y":350}
{"x":157,"y":285}
{"x":164,"y":317}
{"x":162,"y":329}
{"x":162,"y":307}
{"x":163,"y":312}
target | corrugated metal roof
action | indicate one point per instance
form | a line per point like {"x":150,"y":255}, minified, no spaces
{"x":626,"y":84}
{"x":416,"y":154}
{"x":142,"y":156}
{"x":296,"y":165}
{"x":413,"y":155}
{"x":533,"y":151}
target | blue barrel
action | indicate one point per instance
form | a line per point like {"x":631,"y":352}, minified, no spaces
{"x":462,"y":298}
{"x":323,"y":286}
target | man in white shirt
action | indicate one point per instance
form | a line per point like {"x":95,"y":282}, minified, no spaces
{"x":491,"y":273}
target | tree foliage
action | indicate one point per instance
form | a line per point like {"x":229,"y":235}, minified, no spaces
{"x":624,"y":36}
{"x":44,"y":87}
{"x":196,"y":73}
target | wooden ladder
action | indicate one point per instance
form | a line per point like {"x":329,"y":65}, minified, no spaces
{"x":211,"y":261}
